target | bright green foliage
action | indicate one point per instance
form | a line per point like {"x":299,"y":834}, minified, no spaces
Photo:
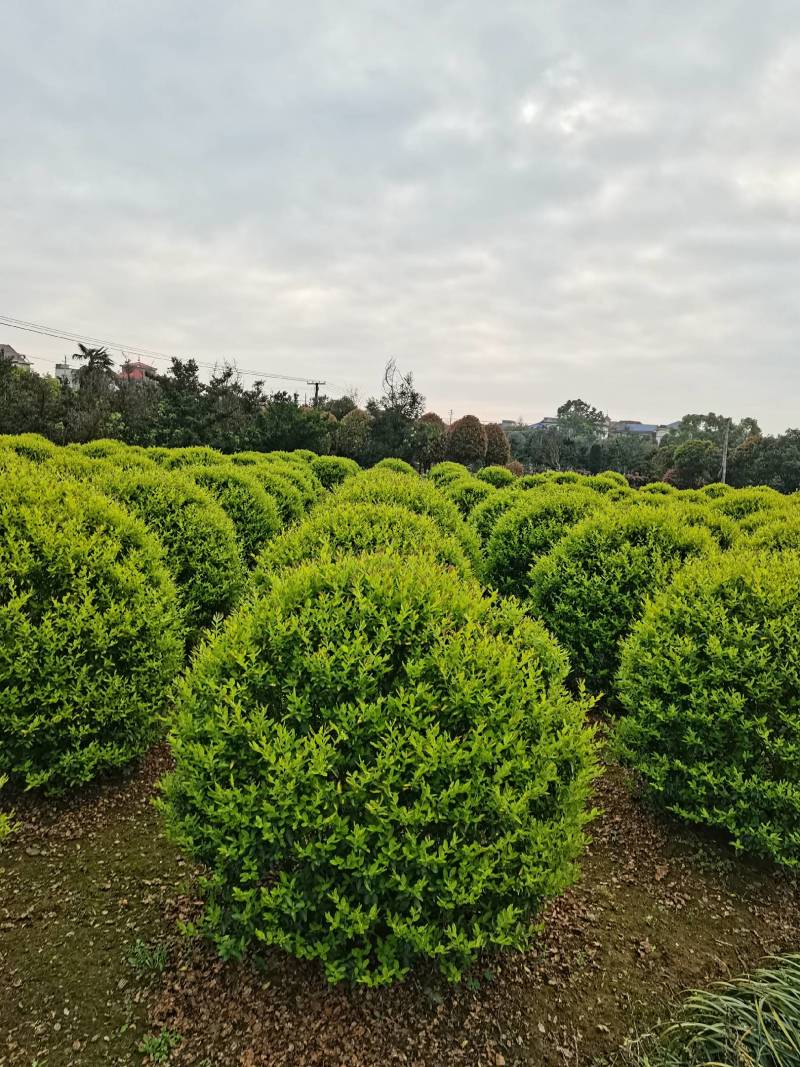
{"x":252,"y":511}
{"x":122,"y":455}
{"x":29,"y":446}
{"x":190,"y":456}
{"x":659,"y":489}
{"x":714,"y":490}
{"x":529,"y":530}
{"x":485,"y":516}
{"x":391,"y":463}
{"x":442,"y":473}
{"x":199,"y":539}
{"x":692,"y":509}
{"x":90,"y":633}
{"x":332,"y":470}
{"x":609,"y":482}
{"x":355,"y":529}
{"x":710,"y":679}
{"x":743,"y":503}
{"x":531,"y":481}
{"x":496,"y":476}
{"x":302,"y":476}
{"x":779,"y":534}
{"x":305,"y":454}
{"x":287,"y":496}
{"x":467,"y":492}
{"x":362,"y":792}
{"x":416,"y":494}
{"x":593,"y":585}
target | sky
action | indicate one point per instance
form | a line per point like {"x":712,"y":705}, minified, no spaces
{"x":521,"y":202}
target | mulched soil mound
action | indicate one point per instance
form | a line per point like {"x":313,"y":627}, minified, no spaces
{"x":658,"y":909}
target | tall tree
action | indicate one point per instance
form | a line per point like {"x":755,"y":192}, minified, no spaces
{"x":430,"y":434}
{"x":498,"y":450}
{"x":466,"y":442}
{"x":352,"y":435}
{"x":182,"y":418}
{"x":577,"y":419}
{"x":394,"y":415}
{"x":694,"y":464}
{"x":88,"y":408}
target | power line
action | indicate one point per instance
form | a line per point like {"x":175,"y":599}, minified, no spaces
{"x":69,"y":335}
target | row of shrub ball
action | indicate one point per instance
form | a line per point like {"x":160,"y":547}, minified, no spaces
{"x":381,"y":742}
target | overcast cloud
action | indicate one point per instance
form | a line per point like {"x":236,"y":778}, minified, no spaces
{"x":522,"y":202}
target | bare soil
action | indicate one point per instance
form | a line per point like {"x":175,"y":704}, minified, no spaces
{"x":658,"y":909}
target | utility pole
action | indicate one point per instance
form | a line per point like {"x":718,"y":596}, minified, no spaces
{"x":725,"y":452}
{"x":316,"y":389}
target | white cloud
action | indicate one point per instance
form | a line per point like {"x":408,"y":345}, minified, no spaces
{"x":519,"y":203}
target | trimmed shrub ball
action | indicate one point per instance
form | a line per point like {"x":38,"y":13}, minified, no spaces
{"x":122,"y":455}
{"x":496,"y":476}
{"x":725,"y":531}
{"x":299,"y":473}
{"x":391,"y":463}
{"x":485,"y":516}
{"x":199,"y":539}
{"x":252,"y":511}
{"x":287,"y":496}
{"x":90,"y":633}
{"x":743,"y":503}
{"x":363,"y":793}
{"x":466,"y":493}
{"x":777,"y":535}
{"x":447,"y":471}
{"x":530,"y":529}
{"x":416,"y":494}
{"x":355,"y":529}
{"x":710,"y":679}
{"x":592,"y":587}
{"x":332,"y":470}
{"x":190,"y":456}
{"x":30,"y":446}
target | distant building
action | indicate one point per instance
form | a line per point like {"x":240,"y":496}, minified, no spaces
{"x":547,"y":423}
{"x":67,"y":374}
{"x":136,"y":371}
{"x":16,"y":359}
{"x":650,"y":431}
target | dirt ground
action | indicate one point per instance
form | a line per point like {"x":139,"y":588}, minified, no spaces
{"x":94,"y":971}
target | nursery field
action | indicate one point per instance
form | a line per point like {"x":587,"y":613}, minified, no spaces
{"x":306,"y":764}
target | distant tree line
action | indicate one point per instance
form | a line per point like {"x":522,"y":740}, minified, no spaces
{"x":177,"y":408}
{"x":689,"y":456}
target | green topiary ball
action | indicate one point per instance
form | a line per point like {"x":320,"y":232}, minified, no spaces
{"x":485,"y":516}
{"x":442,"y":473}
{"x":467,"y":492}
{"x":530,"y":529}
{"x":496,"y":475}
{"x":291,"y":503}
{"x":391,"y":463}
{"x":90,"y":632}
{"x":415,"y":494}
{"x":593,"y":585}
{"x":710,"y":679}
{"x":333,"y":470}
{"x":357,"y":529}
{"x":199,"y":539}
{"x":362,"y":792}
{"x":253,"y":512}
